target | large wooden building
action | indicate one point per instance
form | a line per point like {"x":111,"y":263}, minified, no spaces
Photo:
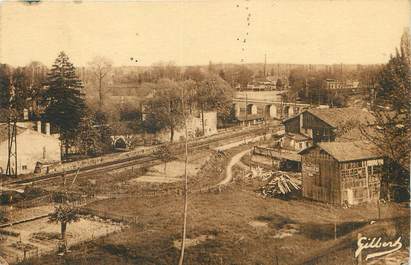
{"x":341,"y":172}
{"x":328,"y":125}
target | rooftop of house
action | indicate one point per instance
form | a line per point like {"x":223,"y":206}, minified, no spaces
{"x":4,"y":132}
{"x":336,"y":117}
{"x":291,"y":118}
{"x":344,"y":151}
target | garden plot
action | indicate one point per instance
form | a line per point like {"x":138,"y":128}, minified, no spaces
{"x":40,"y":237}
{"x":173,"y":173}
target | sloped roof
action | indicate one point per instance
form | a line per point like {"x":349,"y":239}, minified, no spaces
{"x":291,"y":118}
{"x":345,"y":151}
{"x":336,"y":117}
{"x":4,"y":134}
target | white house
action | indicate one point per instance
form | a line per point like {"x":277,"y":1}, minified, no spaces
{"x":32,"y":147}
{"x":194,"y":127}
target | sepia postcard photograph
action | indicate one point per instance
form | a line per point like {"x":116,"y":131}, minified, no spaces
{"x":205,"y":132}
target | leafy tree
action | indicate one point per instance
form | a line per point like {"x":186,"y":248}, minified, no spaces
{"x":272,"y":72}
{"x":5,"y":79}
{"x":391,"y":130}
{"x":165,"y":71}
{"x":163,"y":110}
{"x":194,"y":73}
{"x":66,"y":106}
{"x":164,"y":154}
{"x":238,"y":76}
{"x":297,"y":81}
{"x":227,"y":118}
{"x":244,"y":76}
{"x":64,"y":214}
{"x":213,"y":94}
{"x":279,"y":84}
{"x":89,"y":137}
{"x":221,"y":73}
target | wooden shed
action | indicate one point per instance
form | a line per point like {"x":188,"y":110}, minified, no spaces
{"x":341,"y":172}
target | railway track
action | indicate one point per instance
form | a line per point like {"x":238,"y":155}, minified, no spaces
{"x":139,"y":160}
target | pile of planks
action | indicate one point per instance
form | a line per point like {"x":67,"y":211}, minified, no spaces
{"x":278,"y":184}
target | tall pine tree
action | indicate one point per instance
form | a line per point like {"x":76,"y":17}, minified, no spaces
{"x":66,"y":106}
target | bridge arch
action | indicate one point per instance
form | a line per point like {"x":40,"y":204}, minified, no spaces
{"x":271,"y":111}
{"x":236,"y":108}
{"x":286,"y":111}
{"x":291,"y":111}
{"x":120,"y":143}
{"x":251,"y":109}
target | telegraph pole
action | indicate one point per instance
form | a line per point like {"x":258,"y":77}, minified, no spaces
{"x":246,"y":108}
{"x":11,"y":170}
{"x":265,"y":64}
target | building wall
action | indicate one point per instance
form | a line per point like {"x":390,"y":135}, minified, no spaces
{"x":325,"y":179}
{"x":31,"y":148}
{"x":319,"y":130}
{"x":360,"y":181}
{"x":292,"y":125}
{"x":320,"y":176}
{"x":194,"y":127}
{"x":295,"y":145}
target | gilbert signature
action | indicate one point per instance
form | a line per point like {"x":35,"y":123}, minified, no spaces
{"x":383,"y":247}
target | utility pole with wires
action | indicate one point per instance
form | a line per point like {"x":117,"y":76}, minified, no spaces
{"x":265,"y":65}
{"x":11,"y":169}
{"x":181,"y":259}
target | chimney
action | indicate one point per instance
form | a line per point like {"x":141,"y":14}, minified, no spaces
{"x":48,"y":128}
{"x":39,"y":126}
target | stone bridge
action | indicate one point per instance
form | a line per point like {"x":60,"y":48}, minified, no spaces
{"x":123,"y":141}
{"x":263,"y":109}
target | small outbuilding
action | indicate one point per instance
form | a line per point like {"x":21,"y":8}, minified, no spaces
{"x":341,"y":172}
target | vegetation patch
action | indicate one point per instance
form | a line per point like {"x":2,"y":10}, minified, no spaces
{"x":190,"y":242}
{"x":46,"y":235}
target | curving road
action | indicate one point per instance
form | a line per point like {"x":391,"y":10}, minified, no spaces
{"x":229,"y":170}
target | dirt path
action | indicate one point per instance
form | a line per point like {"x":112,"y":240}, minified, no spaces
{"x":229,"y":171}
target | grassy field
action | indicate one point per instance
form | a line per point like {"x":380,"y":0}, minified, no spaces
{"x":226,"y":216}
{"x":242,"y":227}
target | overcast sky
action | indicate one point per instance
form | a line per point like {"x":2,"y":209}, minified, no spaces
{"x":195,"y":32}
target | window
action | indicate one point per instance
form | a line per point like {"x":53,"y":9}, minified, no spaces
{"x":24,"y":167}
